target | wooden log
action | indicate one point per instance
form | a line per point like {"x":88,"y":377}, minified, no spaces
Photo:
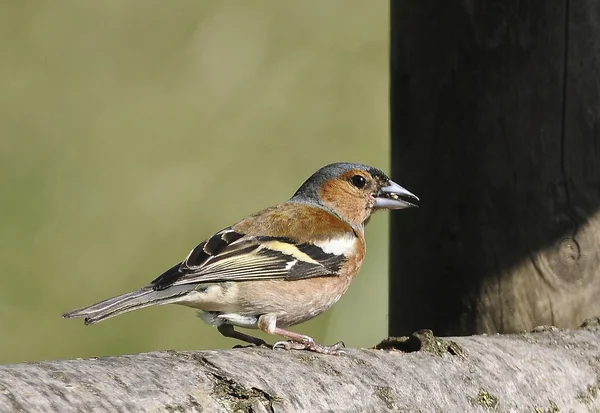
{"x":494,"y":114}
{"x":549,"y":370}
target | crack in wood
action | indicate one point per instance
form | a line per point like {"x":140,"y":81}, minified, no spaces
{"x":233,"y":394}
{"x":422,"y":340}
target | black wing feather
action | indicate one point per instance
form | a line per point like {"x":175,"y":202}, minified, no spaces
{"x":230,"y":256}
{"x":198,"y":256}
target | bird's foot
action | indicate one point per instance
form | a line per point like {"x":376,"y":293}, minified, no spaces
{"x":311,"y":345}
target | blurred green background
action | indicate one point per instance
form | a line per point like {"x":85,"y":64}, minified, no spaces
{"x":132,"y":130}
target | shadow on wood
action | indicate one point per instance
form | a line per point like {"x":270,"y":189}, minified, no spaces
{"x":494,"y":111}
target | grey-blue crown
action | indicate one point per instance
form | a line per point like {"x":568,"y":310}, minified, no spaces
{"x":309,"y":191}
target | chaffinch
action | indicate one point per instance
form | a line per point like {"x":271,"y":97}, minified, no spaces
{"x":278,"y":267}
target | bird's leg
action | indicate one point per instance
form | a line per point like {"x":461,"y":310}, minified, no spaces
{"x":227,"y":330}
{"x":268,"y":324}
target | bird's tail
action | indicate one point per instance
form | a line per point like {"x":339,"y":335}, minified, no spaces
{"x":144,"y":297}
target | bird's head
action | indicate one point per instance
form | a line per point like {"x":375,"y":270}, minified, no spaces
{"x":353,"y":191}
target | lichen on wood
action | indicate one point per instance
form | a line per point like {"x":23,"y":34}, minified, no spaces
{"x":548,"y":370}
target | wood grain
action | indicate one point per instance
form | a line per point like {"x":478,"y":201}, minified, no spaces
{"x":535,"y":372}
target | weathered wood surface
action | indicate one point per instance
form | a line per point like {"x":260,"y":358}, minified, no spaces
{"x":494,"y":109}
{"x":545,"y":371}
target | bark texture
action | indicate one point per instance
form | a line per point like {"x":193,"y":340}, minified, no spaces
{"x":495,"y":110}
{"x":543,"y":371}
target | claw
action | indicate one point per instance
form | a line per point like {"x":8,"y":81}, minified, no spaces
{"x":311,"y":346}
{"x":284,"y":345}
{"x":289,"y":345}
{"x":333,"y":350}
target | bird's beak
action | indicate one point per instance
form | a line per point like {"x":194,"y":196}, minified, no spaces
{"x":390,"y":197}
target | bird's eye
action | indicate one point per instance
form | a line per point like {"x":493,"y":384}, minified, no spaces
{"x":358,"y":181}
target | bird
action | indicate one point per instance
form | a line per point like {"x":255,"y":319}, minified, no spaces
{"x":278,"y":267}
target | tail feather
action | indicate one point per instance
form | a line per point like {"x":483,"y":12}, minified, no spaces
{"x":144,"y":297}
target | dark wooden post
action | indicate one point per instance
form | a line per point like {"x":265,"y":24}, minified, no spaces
{"x":495,"y":109}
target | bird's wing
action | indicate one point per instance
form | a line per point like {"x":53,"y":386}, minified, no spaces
{"x":231,"y":256}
